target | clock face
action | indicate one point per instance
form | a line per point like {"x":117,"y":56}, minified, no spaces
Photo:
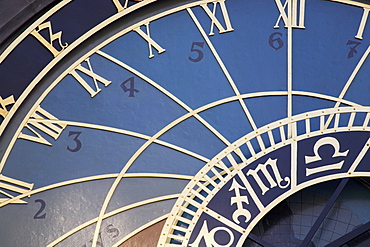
{"x":187,"y":123}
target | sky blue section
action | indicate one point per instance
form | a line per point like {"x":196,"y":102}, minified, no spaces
{"x":360,"y":88}
{"x":159,"y":159}
{"x":306,"y":104}
{"x":321,"y":54}
{"x":229,"y":119}
{"x":132,"y":190}
{"x":321,"y":64}
{"x":146,"y":113}
{"x":195,"y":83}
{"x":101,"y":152}
{"x":253,"y":64}
{"x":267,"y":109}
{"x":192,"y":135}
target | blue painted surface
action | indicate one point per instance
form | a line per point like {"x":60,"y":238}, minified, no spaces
{"x":321,"y":65}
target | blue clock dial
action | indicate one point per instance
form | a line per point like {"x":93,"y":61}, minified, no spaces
{"x":205,"y":123}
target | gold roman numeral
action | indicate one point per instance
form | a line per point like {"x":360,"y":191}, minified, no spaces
{"x":96,"y":78}
{"x":365,"y":14}
{"x":147,"y":38}
{"x":215,"y":21}
{"x":119,"y":5}
{"x":295,"y":14}
{"x":43,"y":122}
{"x":15,"y":185}
{"x":4,"y":103}
{"x":49,"y":44}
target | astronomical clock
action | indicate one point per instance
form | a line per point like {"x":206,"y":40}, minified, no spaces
{"x":187,"y":123}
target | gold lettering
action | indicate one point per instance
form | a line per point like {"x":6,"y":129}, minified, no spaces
{"x":52,"y":37}
{"x":11,"y":184}
{"x":296,"y":16}
{"x":44,"y":122}
{"x":4,"y":103}
{"x":119,"y":5}
{"x":147,"y":38}
{"x":362,"y":23}
{"x":215,"y":21}
{"x":96,"y":78}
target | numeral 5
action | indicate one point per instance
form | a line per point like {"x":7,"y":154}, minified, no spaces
{"x":198,"y":51}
